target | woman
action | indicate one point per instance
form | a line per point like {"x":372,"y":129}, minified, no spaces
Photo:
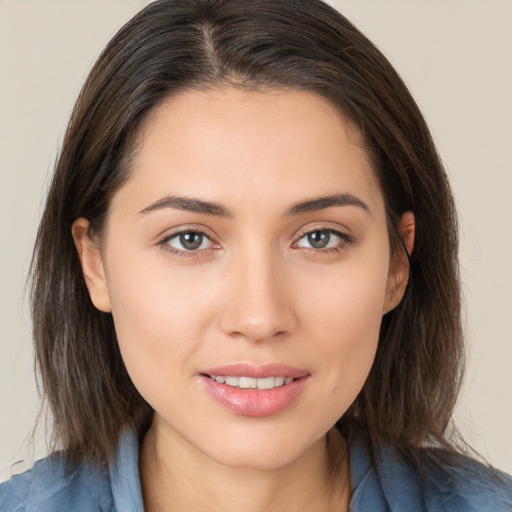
{"x":245,"y":279}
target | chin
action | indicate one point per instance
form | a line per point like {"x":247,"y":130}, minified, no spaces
{"x":260,"y":452}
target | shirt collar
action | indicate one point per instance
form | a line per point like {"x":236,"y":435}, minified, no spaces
{"x":124,"y":475}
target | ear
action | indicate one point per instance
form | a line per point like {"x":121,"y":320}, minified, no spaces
{"x":398,"y":274}
{"x":92,"y":264}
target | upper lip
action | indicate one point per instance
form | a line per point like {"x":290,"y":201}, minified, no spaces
{"x":256,"y":371}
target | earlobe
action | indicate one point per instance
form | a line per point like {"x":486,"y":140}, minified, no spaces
{"x":92,"y":265}
{"x":398,"y":275}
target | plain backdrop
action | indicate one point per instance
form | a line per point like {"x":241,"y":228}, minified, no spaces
{"x":456,"y":57}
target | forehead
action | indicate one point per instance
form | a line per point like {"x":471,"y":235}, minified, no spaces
{"x":227,"y":144}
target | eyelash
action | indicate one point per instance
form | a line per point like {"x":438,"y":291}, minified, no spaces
{"x":177,"y":252}
{"x":344,"y":238}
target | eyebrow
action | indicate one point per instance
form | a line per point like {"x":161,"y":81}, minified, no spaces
{"x":190,"y":205}
{"x":320,"y":203}
{"x":216,"y":209}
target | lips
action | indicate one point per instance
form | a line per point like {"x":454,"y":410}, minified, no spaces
{"x":251,"y":390}
{"x":251,"y":382}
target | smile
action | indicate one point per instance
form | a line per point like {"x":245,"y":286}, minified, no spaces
{"x":251,"y":382}
{"x":255,"y":390}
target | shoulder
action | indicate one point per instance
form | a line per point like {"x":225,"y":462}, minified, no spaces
{"x":467,"y":487}
{"x":56,"y":485}
{"x":385,"y":481}
{"x":463,"y":485}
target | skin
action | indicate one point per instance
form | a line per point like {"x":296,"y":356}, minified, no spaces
{"x":258,"y":292}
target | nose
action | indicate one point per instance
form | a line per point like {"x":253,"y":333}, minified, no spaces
{"x":258,"y":303}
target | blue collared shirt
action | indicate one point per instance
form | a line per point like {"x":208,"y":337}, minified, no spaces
{"x":389,"y":485}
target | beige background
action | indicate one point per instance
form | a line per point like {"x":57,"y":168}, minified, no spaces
{"x":455,"y":55}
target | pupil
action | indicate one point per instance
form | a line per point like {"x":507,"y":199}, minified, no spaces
{"x":319,"y":239}
{"x":191,"y":241}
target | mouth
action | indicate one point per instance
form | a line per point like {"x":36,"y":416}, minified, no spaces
{"x":251,"y":382}
{"x":250,"y":390}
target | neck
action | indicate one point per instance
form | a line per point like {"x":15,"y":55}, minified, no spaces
{"x":319,"y":480}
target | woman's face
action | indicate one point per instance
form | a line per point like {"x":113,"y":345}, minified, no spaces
{"x":247,"y":249}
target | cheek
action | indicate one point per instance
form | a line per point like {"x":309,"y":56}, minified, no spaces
{"x":350,"y":298}
{"x":159,"y":316}
{"x":346,"y":317}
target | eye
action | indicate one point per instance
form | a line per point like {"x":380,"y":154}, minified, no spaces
{"x":322,"y":239}
{"x":188,"y":241}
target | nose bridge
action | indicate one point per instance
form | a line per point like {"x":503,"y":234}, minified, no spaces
{"x":257,"y":306}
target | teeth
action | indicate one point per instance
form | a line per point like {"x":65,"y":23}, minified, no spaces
{"x":267,"y":383}
{"x":232,"y":381}
{"x":247,"y":383}
{"x":252,"y":383}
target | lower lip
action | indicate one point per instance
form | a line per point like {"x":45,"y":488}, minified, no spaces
{"x":255,"y":402}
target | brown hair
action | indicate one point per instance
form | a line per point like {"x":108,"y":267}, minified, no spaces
{"x":173,"y":45}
